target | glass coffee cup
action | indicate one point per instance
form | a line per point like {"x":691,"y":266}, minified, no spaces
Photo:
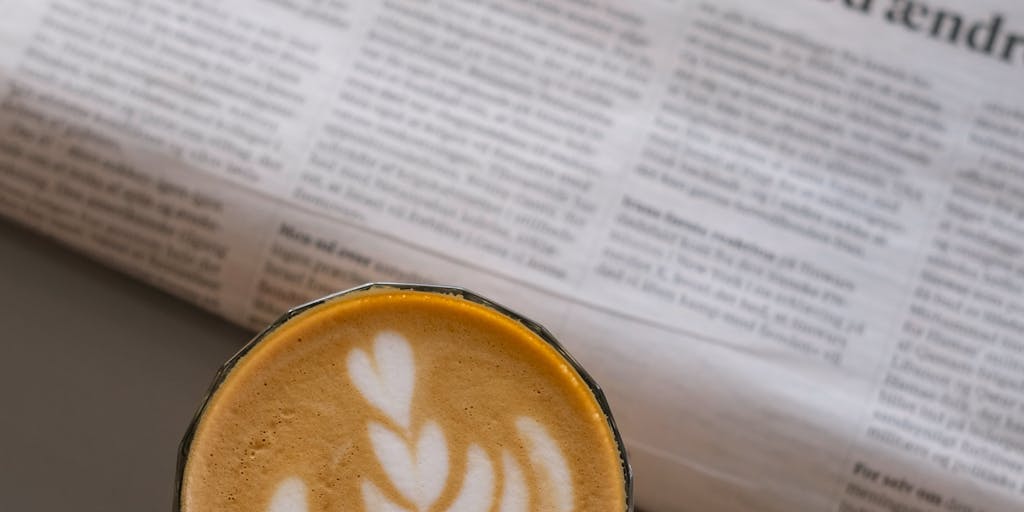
{"x":403,"y":397}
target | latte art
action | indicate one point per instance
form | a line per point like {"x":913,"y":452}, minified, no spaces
{"x":398,"y":401}
{"x":417,"y":466}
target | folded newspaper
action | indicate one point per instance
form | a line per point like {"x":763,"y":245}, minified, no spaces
{"x":787,"y":237}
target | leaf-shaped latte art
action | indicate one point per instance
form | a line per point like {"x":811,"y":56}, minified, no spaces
{"x":555,"y":481}
{"x":421,"y":475}
{"x":386,"y":380}
{"x":290,"y":496}
{"x":418,"y":465}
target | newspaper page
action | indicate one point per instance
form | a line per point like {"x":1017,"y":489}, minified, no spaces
{"x":786,"y":236}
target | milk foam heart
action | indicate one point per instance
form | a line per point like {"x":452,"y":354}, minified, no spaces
{"x":392,"y":400}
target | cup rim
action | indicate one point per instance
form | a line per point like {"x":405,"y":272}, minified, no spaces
{"x":225,"y":369}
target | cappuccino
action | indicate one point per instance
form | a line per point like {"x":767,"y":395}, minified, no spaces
{"x":403,"y":398}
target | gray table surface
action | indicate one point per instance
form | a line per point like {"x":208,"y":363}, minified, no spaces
{"x":99,"y":377}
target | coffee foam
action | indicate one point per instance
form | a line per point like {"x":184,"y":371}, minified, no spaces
{"x":445,"y":406}
{"x":290,"y":496}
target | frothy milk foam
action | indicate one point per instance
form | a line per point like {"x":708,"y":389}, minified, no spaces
{"x":397,"y":400}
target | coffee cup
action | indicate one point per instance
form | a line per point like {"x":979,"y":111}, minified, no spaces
{"x":400,"y":397}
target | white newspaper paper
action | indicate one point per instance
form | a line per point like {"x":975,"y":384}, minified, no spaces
{"x":785,"y":236}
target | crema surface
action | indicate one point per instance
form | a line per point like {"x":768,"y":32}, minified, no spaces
{"x":397,"y":400}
